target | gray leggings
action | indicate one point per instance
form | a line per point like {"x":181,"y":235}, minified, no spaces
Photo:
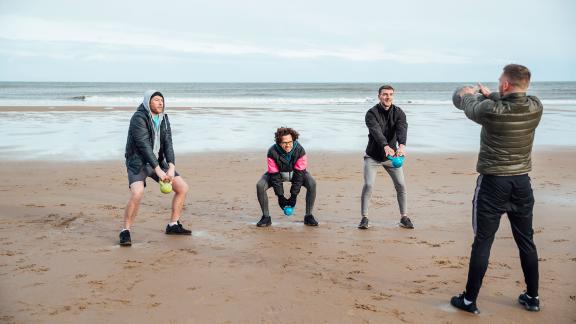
{"x":370,"y":170}
{"x":264,"y":184}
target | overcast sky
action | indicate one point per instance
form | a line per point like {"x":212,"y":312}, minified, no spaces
{"x":285,"y":41}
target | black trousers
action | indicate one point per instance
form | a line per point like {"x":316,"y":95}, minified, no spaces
{"x":494,"y":196}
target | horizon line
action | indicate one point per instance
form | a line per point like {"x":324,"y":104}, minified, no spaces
{"x":272,"y":82}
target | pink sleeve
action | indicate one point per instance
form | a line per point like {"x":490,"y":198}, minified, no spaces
{"x":272,"y":166}
{"x":302,"y":163}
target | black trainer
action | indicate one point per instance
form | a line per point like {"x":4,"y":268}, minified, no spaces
{"x":405,"y":222}
{"x":363,"y":223}
{"x":265,"y":221}
{"x":310,"y":221}
{"x":530,"y":303}
{"x":125,"y":239}
{"x":458,"y":302}
{"x":177,"y":229}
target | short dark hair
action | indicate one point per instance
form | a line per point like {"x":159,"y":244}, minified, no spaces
{"x":385,"y":87}
{"x":518,"y":75}
{"x":283,"y":131}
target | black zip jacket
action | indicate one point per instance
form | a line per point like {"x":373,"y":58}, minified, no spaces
{"x":382,"y":132}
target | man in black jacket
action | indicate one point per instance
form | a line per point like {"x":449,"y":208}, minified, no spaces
{"x":387,"y":132}
{"x":287,"y":161}
{"x":149,"y":153}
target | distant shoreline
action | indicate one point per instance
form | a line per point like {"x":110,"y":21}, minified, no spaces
{"x":274,"y":82}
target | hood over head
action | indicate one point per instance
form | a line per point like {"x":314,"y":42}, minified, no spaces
{"x":148,"y":95}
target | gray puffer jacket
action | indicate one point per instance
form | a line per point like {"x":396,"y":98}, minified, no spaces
{"x":508,"y":127}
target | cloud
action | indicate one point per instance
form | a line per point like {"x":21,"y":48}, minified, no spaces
{"x":116,"y":42}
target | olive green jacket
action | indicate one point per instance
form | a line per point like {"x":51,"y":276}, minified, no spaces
{"x":508,"y":127}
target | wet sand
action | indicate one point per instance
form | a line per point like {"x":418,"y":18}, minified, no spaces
{"x":60,"y":262}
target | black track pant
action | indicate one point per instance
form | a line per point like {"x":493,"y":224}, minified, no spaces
{"x":494,"y":196}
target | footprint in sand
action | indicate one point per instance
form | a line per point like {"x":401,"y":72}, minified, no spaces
{"x":399,"y":315}
{"x":448,"y":264}
{"x":33,"y":268}
{"x":109,"y":207}
{"x":60,"y":309}
{"x":499,"y":265}
{"x":188,"y":250}
{"x":429,"y":244}
{"x":131,"y":264}
{"x":367,"y":307}
{"x":71,"y":182}
{"x":58,"y":221}
{"x":121,"y":301}
{"x":34,"y":205}
{"x":382,"y":296}
{"x":96,"y":284}
{"x":9,"y":253}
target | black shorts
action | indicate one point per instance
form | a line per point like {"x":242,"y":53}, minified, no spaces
{"x":146,"y":172}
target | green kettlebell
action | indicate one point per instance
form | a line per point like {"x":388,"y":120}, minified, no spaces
{"x":165,"y":187}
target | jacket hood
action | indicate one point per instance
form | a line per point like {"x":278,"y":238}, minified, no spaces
{"x":145,"y":105}
{"x":146,"y":100}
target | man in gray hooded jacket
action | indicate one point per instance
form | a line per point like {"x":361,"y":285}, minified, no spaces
{"x":149,"y":153}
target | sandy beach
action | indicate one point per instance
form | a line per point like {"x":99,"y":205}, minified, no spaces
{"x":60,"y":262}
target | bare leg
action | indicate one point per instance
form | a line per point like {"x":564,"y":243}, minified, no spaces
{"x":180,"y":188}
{"x":136,"y":194}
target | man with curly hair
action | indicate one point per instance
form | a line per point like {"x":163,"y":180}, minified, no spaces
{"x":287,"y":162}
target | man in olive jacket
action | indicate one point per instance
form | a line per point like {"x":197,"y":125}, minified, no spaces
{"x":149,"y":153}
{"x":509,"y":120}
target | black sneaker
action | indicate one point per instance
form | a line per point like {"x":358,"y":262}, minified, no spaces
{"x":177,"y":229}
{"x":530,"y":303}
{"x":363,"y":223}
{"x":405,"y":222}
{"x":310,"y":221}
{"x":265,"y":221}
{"x":458,"y":302}
{"x":125,"y":239}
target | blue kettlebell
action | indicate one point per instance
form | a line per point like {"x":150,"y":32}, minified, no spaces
{"x":397,"y":161}
{"x":288,"y":211}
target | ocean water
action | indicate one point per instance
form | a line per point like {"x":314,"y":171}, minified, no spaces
{"x":209,"y":117}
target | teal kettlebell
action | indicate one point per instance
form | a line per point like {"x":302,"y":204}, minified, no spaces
{"x":288,"y":211}
{"x":397,"y":161}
